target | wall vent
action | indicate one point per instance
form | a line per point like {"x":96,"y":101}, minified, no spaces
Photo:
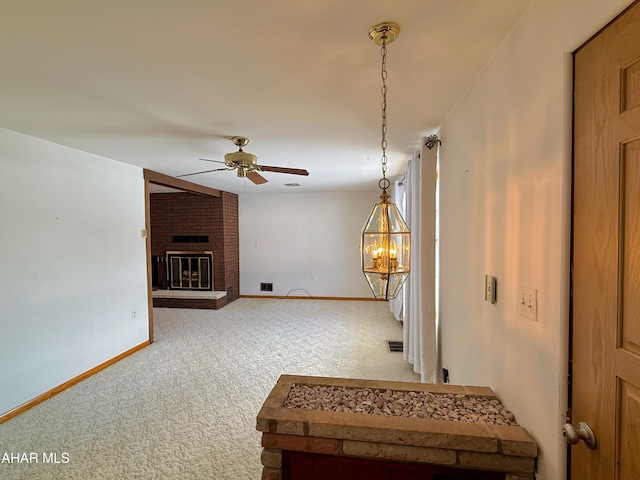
{"x":266,"y":287}
{"x":190,"y":238}
{"x":395,"y":346}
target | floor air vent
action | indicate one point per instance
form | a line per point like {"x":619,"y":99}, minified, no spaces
{"x":395,"y":346}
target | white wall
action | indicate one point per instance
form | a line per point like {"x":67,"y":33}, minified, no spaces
{"x":73,"y":265}
{"x":505,"y":211}
{"x":303,"y":241}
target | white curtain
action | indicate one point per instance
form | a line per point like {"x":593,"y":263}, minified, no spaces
{"x":398,"y":196}
{"x":419,"y":291}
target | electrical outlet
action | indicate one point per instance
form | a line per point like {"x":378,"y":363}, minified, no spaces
{"x":528,"y":302}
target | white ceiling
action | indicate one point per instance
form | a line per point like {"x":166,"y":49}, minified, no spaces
{"x":162,"y":83}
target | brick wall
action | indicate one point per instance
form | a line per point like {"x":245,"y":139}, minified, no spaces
{"x":231,"y":243}
{"x":190,"y":214}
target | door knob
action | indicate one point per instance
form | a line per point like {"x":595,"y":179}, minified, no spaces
{"x":583,"y":432}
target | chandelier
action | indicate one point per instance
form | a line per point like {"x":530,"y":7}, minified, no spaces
{"x":386,"y":240}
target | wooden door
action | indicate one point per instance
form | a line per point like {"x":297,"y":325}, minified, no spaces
{"x":605,"y":343}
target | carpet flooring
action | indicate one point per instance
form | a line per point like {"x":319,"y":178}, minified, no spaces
{"x":185,"y":407}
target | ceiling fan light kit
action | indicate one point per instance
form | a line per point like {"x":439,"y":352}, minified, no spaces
{"x":386,"y":240}
{"x":245,"y":160}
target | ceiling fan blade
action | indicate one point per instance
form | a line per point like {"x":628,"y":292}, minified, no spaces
{"x":204,"y":171}
{"x":207,"y":160}
{"x":256,"y":178}
{"x":292,"y":171}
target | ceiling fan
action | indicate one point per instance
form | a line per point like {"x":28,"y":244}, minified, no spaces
{"x":246,"y":164}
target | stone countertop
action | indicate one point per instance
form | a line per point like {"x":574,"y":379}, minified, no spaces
{"x":468,"y":445}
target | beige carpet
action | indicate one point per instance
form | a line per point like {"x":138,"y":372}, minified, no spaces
{"x":185,"y":407}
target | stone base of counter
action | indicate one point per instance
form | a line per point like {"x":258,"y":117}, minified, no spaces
{"x":299,"y":441}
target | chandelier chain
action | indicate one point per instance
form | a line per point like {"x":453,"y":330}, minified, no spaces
{"x":383,"y":142}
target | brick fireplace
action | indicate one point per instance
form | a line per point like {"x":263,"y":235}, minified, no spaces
{"x":192,"y":224}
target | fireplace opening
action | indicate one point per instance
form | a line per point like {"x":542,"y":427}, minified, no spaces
{"x":189,"y":270}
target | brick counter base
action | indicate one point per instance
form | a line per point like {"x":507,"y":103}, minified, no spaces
{"x":297,"y":442}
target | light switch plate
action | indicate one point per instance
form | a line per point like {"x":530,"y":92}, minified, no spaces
{"x":490,"y":293}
